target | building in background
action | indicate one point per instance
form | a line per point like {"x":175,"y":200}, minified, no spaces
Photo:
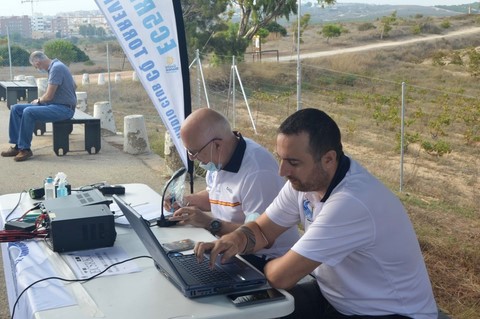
{"x":16,"y":24}
{"x":63,"y":25}
{"x":40,"y":25}
{"x":60,"y":27}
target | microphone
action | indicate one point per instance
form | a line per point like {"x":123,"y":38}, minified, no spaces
{"x":163,"y":221}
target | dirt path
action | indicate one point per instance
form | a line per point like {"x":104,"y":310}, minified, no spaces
{"x":366,"y":47}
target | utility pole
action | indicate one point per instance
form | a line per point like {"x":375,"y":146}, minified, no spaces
{"x":299,"y":64}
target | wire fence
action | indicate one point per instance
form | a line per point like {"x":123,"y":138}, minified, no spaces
{"x":436,"y":156}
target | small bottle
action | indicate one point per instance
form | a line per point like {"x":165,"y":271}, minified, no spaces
{"x":49,"y":188}
{"x":62,"y":189}
{"x":61,"y":182}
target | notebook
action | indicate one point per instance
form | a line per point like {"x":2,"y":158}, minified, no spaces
{"x":190,"y":277}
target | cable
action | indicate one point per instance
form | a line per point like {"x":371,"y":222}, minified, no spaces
{"x":71,"y":280}
{"x":18,"y":203}
{"x":21,"y":218}
{"x":89,"y":187}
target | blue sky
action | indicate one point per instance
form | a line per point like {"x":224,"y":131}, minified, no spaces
{"x":50,"y":7}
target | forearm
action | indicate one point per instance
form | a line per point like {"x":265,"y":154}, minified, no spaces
{"x":49,"y":93}
{"x":227,"y":227}
{"x":252,"y":238}
{"x":200,"y":200}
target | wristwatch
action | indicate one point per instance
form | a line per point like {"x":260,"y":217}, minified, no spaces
{"x":215,"y":226}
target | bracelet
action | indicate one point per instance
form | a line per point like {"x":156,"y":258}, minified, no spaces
{"x":251,"y":241}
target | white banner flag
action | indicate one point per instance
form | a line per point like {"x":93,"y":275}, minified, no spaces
{"x":147,"y":31}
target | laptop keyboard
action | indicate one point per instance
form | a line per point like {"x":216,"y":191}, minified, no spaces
{"x":200,"y":271}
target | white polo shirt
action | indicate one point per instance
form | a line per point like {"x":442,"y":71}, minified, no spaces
{"x":371,"y":259}
{"x":247,"y":185}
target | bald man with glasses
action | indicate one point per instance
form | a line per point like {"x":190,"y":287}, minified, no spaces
{"x":242,"y":179}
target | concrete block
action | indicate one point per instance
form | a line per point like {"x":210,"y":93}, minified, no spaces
{"x":103,"y":111}
{"x":135,"y":137}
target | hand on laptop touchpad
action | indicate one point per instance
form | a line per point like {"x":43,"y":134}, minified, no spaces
{"x":218,"y":261}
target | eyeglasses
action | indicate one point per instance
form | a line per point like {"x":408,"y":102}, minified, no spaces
{"x":194,"y":155}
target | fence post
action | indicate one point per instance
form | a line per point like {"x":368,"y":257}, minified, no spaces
{"x":402,"y":130}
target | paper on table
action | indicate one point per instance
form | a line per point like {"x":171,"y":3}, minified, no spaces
{"x":149,"y":211}
{"x":87,"y":263}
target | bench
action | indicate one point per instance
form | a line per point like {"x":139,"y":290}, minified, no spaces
{"x":62,"y":130}
{"x":12,"y":91}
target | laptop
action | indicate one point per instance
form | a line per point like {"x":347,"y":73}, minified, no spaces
{"x":193,"y":279}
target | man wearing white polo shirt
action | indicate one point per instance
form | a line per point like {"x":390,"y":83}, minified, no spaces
{"x":358,"y":243}
{"x":242,"y":179}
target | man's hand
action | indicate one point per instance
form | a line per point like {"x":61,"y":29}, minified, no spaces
{"x":227,"y":246}
{"x":192,"y":216}
{"x":170,"y":205}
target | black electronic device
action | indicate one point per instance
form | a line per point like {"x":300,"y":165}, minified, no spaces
{"x":78,"y":228}
{"x":77,"y":199}
{"x":254,"y":297}
{"x":163,"y":221}
{"x":112,"y":189}
{"x":19,"y":225}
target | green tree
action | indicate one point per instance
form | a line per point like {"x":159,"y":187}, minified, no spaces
{"x":226,"y":44}
{"x":91,"y":31}
{"x":202,"y":20}
{"x":304,"y":21}
{"x":274,"y":27}
{"x":256,"y":14}
{"x":20,"y":56}
{"x":386,"y":24}
{"x":207,"y":21}
{"x":62,"y":50}
{"x":331,"y":31}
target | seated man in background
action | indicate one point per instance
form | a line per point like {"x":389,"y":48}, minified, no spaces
{"x":242,"y":179}
{"x":58,"y":103}
{"x":359,"y":242}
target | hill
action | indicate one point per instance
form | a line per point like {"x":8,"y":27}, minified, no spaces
{"x":342,"y":12}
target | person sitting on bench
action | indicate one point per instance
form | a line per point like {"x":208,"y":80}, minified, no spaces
{"x":56,"y":104}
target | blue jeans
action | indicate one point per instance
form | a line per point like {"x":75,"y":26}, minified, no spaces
{"x":24,"y":116}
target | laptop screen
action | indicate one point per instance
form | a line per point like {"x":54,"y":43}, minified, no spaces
{"x":142,"y":228}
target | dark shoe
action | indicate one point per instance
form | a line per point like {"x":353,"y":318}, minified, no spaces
{"x":12,"y":151}
{"x":23,"y":155}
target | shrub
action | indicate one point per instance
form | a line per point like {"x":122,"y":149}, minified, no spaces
{"x":438,"y":148}
{"x":416,"y":29}
{"x":366,"y":26}
{"x":446,"y":24}
{"x":20,"y":56}
{"x":274,"y":27}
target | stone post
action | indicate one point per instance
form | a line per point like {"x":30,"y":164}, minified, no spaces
{"x":172,"y":158}
{"x":103,"y":111}
{"x":82,"y":104}
{"x":135,"y":138}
